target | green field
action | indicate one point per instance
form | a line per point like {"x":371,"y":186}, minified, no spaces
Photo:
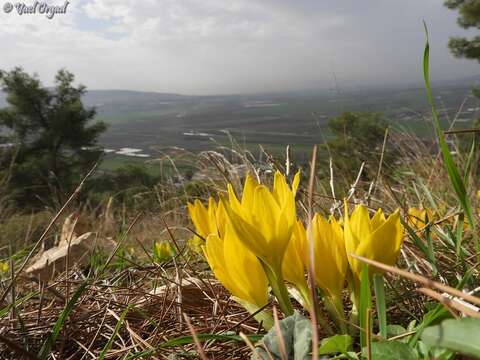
{"x":148,"y":122}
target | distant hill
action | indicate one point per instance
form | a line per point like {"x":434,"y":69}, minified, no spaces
{"x":94,"y":97}
{"x":120,"y":98}
{"x":114,"y":101}
{"x":119,"y":101}
{"x":150,"y":122}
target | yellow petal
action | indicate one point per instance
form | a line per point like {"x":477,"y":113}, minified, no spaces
{"x":250,"y":236}
{"x":232,"y":198}
{"x":359,"y":222}
{"x":215,"y":257}
{"x":293,"y":266}
{"x":384,"y":244}
{"x":248,"y":192}
{"x":330,"y":255}
{"x":199,"y":216}
{"x":378,"y":219}
{"x":212,"y":217}
{"x":221,"y":218}
{"x":296,"y":182}
{"x":275,"y":225}
{"x":265,"y":213}
{"x":357,"y":229}
{"x":245,"y":268}
{"x":280,"y":188}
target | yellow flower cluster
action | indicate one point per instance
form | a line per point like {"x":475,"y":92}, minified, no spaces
{"x":418,"y":218}
{"x":257,"y":241}
{"x":163,"y":251}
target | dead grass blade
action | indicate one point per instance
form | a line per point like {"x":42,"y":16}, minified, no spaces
{"x":419,"y":279}
{"x":311,"y":252}
{"x":281,"y":341}
{"x":201,"y":352}
{"x":47,"y":230}
{"x":450,"y":303}
{"x":250,"y":345}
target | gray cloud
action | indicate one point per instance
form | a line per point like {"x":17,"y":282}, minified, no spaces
{"x":221,"y":46}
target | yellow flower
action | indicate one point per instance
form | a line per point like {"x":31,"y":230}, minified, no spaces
{"x":237,"y":268}
{"x":4,"y":267}
{"x":419,"y":217}
{"x":163,"y":251}
{"x":263,"y":221}
{"x":330,"y":256}
{"x":195,"y":244}
{"x":207,"y":221}
{"x":294,"y":262}
{"x":377,"y":238}
{"x":330,"y":263}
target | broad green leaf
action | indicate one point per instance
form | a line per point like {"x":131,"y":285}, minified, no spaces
{"x":297,"y":335}
{"x":391,"y":350}
{"x":461,"y":335}
{"x":395,"y":330}
{"x":335,"y":344}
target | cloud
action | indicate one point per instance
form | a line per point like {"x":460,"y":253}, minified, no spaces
{"x":213,"y":46}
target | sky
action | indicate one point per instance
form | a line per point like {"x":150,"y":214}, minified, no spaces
{"x":233,"y":46}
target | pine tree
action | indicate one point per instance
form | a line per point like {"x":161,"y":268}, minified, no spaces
{"x":54,"y":142}
{"x":469,"y":17}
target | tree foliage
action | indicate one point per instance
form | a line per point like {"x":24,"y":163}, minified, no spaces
{"x":53,"y":137}
{"x":358,"y":137}
{"x":468,"y":17}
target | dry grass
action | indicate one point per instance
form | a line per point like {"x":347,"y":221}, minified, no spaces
{"x":163,"y":299}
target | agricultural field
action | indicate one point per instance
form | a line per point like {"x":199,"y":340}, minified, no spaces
{"x":156,"y":123}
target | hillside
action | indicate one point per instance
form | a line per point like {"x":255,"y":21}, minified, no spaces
{"x":151,"y":122}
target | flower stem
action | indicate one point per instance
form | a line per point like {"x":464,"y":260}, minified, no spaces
{"x":334,"y":306}
{"x":275,"y":278}
{"x":307,"y":299}
{"x":264,"y":317}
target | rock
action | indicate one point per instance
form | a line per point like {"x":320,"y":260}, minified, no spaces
{"x":54,"y":260}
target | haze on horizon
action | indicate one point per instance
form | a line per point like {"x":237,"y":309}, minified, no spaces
{"x":234,"y":46}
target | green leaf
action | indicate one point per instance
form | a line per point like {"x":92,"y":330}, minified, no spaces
{"x":379,"y":287}
{"x":264,"y":317}
{"x":391,"y":350}
{"x":452,"y":170}
{"x":427,"y":251}
{"x":115,"y":332}
{"x":397,"y":330}
{"x":461,"y":335}
{"x":365,"y":303}
{"x":335,"y":344}
{"x":297,"y":335}
{"x":48,"y":344}
{"x":437,"y":314}
{"x":185,"y":340}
